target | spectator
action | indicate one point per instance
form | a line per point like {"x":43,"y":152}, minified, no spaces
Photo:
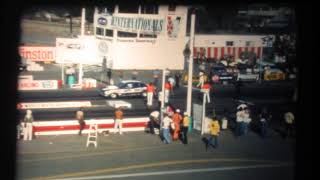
{"x":167,"y":90}
{"x":28,"y":120}
{"x":118,"y":116}
{"x":172,"y":83}
{"x":154,"y":121}
{"x":80,"y":118}
{"x":109,"y":74}
{"x":166,"y":122}
{"x":239,"y":120}
{"x":177,"y":118}
{"x":150,"y":92}
{"x":185,"y":127}
{"x":264,"y":118}
{"x":170,"y":110}
{"x":156,"y":74}
{"x":160,"y":95}
{"x":224,"y":120}
{"x":246,"y":120}
{"x":206,"y":90}
{"x":214,"y":133}
{"x":289,"y":120}
{"x":201,"y":79}
{"x":177,"y":77}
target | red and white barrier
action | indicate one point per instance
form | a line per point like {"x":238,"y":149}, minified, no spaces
{"x":48,"y":105}
{"x":89,"y":83}
{"x":72,"y":126}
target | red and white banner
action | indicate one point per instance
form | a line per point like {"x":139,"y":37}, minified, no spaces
{"x":72,"y":126}
{"x":38,"y":53}
{"x":47,"y":105}
{"x":26,"y":84}
{"x":219,"y":52}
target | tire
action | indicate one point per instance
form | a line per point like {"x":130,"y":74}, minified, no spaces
{"x":113,"y":96}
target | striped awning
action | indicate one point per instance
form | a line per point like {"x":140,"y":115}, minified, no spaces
{"x":219,"y":52}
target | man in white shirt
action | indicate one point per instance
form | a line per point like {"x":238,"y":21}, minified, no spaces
{"x":166,"y":122}
{"x":240,"y":120}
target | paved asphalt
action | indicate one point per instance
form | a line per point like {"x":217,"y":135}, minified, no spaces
{"x":138,"y":155}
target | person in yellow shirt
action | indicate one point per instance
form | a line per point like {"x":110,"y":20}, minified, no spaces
{"x":214,"y":133}
{"x":184,"y":128}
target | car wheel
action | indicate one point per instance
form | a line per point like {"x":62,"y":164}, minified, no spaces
{"x":113,"y":96}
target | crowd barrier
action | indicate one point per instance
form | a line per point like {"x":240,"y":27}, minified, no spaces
{"x":72,"y":126}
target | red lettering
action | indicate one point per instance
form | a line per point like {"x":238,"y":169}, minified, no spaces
{"x":38,"y":53}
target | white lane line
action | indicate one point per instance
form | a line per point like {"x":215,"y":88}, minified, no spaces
{"x":186,"y":171}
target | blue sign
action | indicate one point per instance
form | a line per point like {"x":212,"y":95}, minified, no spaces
{"x":102,"y":21}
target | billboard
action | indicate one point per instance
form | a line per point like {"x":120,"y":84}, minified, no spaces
{"x":77,"y":50}
{"x":27,"y":84}
{"x":131,"y":23}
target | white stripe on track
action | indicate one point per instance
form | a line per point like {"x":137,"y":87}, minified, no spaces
{"x":186,"y":171}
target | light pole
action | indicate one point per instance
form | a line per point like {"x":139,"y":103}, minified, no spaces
{"x":186,"y":53}
{"x":189,"y":56}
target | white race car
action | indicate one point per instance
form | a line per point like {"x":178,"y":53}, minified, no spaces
{"x":125,"y":88}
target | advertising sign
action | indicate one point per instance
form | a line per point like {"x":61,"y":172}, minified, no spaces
{"x":38,"y":53}
{"x":26,"y":84}
{"x":131,"y":23}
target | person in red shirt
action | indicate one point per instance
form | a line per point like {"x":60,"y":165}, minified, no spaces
{"x":205,"y":88}
{"x":150,"y":92}
{"x":167,"y":89}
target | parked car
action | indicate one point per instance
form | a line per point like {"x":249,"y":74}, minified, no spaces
{"x":219,"y":74}
{"x":248,"y":76}
{"x":125,"y":88}
{"x":274,"y":74}
{"x":195,"y":79}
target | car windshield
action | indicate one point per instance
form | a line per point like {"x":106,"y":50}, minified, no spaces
{"x":122,"y":85}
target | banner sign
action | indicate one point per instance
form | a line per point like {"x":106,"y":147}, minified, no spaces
{"x":131,"y":24}
{"x":38,"y":53}
{"x":47,"y":105}
{"x":26,"y":84}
